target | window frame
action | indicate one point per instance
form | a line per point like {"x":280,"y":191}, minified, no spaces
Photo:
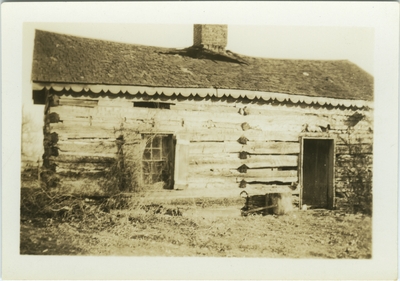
{"x":153,"y":169}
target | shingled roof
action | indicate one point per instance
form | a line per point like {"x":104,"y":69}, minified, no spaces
{"x":60,"y":58}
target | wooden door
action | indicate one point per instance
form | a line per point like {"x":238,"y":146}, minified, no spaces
{"x":317,"y":172}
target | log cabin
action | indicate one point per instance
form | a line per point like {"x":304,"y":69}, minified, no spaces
{"x":203,"y":120}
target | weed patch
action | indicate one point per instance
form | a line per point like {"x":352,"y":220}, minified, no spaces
{"x":135,"y":232}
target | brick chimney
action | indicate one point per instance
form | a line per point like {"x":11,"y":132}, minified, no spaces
{"x":213,"y":37}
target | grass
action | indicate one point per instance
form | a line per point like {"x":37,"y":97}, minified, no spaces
{"x":208,"y":227}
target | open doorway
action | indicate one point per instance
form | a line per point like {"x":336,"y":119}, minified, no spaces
{"x":317,"y":172}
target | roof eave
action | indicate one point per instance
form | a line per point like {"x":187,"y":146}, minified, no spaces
{"x":202,"y":92}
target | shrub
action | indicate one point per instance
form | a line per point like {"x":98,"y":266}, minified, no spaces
{"x":358,"y":173}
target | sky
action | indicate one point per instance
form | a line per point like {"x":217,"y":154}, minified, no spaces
{"x":288,"y":42}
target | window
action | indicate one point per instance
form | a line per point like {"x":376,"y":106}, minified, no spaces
{"x":158,"y":159}
{"x":146,"y":104}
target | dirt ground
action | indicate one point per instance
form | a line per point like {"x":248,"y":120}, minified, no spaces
{"x":201,"y":231}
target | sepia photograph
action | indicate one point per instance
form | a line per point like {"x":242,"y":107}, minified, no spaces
{"x":200,"y":150}
{"x":201,"y":139}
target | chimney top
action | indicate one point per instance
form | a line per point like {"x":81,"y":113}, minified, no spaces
{"x":213,"y":37}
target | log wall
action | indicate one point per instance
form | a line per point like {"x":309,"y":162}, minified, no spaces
{"x":232,"y":142}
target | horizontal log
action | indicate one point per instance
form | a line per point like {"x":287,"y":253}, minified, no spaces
{"x":216,"y":166}
{"x":107,"y":122}
{"x":66,"y":131}
{"x":103,"y":114}
{"x":199,"y":171}
{"x":89,"y":147}
{"x":227,"y":167}
{"x":67,"y":135}
{"x":265,"y":179}
{"x":260,"y":189}
{"x":77,"y":102}
{"x":262,"y":123}
{"x":169,"y":125}
{"x":212,"y":178}
{"x":206,"y":169}
{"x":102,"y":142}
{"x":236,"y":180}
{"x":238,"y":125}
{"x":253,"y":161}
{"x":82,"y":158}
{"x":272,"y":180}
{"x":74,"y":132}
{"x":214,"y":147}
{"x":251,"y":147}
{"x":117,"y":102}
{"x":286,"y":116}
{"x":83,"y":166}
{"x":68,"y":109}
{"x":251,"y":135}
{"x":113,"y":113}
{"x":222,"y":108}
{"x":214,"y":186}
{"x":83,"y":124}
{"x":79,"y":174}
{"x":272,"y":147}
{"x":82,"y":173}
{"x":262,"y":175}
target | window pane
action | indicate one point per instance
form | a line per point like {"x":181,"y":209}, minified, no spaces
{"x":156,"y":154}
{"x":149,"y":141}
{"x":147,"y":154}
{"x":163,"y":170}
{"x":156,"y":178}
{"x":147,"y":179}
{"x":158,"y":166}
{"x":146,"y":167}
{"x":153,"y":168}
{"x":157,"y":141}
{"x":166,"y":147}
